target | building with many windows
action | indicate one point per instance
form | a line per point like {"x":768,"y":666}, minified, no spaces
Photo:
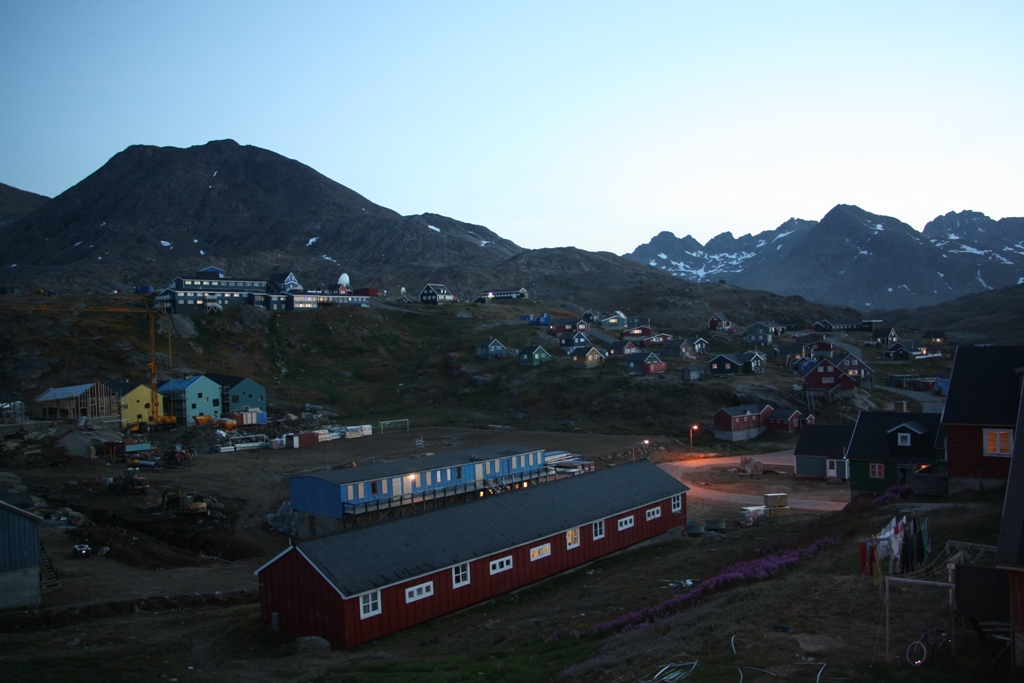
{"x":358,"y":585}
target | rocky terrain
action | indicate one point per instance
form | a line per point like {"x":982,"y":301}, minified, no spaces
{"x":855,"y":258}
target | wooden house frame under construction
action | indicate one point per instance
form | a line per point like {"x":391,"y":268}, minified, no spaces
{"x":82,"y":400}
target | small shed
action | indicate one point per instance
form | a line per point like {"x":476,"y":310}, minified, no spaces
{"x":821,"y":450}
{"x":691,"y":373}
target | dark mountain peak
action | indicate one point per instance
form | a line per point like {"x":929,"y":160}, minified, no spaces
{"x":15,"y":203}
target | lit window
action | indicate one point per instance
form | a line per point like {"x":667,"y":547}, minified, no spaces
{"x":998,"y":442}
{"x":460,"y":575}
{"x":903,"y":439}
{"x":877,"y":471}
{"x":369,"y":604}
{"x":423,"y":590}
{"x":653,"y":513}
{"x":598,"y":529}
{"x":539,"y":552}
{"x":572,"y":538}
{"x":677,"y":503}
{"x":502,"y":565}
{"x":625,"y":523}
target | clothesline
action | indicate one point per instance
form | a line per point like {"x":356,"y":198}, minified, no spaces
{"x":906,"y":542}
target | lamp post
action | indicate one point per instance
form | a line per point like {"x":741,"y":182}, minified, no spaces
{"x":692,"y":430}
{"x":645,"y":443}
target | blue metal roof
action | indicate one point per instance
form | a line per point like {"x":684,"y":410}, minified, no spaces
{"x":59,"y":393}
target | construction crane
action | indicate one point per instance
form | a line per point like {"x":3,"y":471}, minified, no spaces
{"x":156,"y":419}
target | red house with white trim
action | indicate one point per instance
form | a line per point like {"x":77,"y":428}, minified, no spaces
{"x":742,"y":422}
{"x":719,"y":322}
{"x":980,"y":414}
{"x":825,"y":376}
{"x":358,"y":585}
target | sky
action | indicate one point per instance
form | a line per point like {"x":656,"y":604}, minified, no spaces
{"x":556,"y":123}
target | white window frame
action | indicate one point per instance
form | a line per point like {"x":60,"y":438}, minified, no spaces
{"x":1003,"y":442}
{"x":677,"y":503}
{"x":460,"y":575}
{"x":903,"y":439}
{"x":626,"y":523}
{"x":876,"y":470}
{"x":653,"y":513}
{"x":597,"y":529}
{"x":572,"y":538}
{"x":369,"y":604}
{"x":540,"y":552}
{"x":502,"y":564}
{"x":419,"y":591}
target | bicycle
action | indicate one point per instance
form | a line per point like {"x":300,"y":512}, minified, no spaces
{"x":932,"y":643}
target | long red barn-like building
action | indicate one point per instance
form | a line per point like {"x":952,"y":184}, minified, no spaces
{"x":358,"y":585}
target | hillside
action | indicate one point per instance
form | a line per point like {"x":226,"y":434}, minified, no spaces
{"x":996,"y":315}
{"x":15,"y":204}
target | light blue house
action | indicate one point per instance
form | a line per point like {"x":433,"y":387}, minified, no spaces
{"x":239,"y":393}
{"x":192,"y":397}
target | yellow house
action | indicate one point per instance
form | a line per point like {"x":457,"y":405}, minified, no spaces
{"x":134,"y":400}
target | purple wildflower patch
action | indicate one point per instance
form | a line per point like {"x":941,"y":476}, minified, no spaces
{"x":749,"y":570}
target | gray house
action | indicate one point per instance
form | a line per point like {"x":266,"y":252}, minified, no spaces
{"x":491,"y":349}
{"x":19,"y":558}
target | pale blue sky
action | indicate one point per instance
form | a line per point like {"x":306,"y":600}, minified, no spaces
{"x":589,"y":124}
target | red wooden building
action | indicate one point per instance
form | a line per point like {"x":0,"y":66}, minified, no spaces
{"x":742,"y":422}
{"x":981,"y":413}
{"x":719,"y":322}
{"x":641,"y":364}
{"x":787,"y":421}
{"x":358,"y":585}
{"x":825,"y":376}
{"x":636,"y":332}
{"x":655,"y":339}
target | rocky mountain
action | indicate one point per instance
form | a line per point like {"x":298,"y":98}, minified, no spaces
{"x":15,"y":203}
{"x":151,"y":213}
{"x":855,"y":258}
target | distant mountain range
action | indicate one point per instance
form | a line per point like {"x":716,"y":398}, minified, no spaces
{"x":855,"y":258}
{"x":152,"y":213}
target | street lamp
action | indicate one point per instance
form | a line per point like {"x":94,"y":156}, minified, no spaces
{"x":645,"y":443}
{"x":692,"y":430}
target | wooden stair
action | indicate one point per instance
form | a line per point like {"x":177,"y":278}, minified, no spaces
{"x":47,"y":572}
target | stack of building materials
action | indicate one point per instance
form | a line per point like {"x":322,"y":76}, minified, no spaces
{"x":775,"y":504}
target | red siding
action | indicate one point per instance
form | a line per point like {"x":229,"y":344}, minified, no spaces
{"x":654,"y":368}
{"x":965,"y":454}
{"x":291,"y":586}
{"x":306,"y":603}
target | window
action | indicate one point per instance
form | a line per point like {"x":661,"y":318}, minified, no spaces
{"x":572,"y":538}
{"x":598,"y":529}
{"x":234,"y":399}
{"x":877,"y":471}
{"x":653,"y":513}
{"x":200,"y":394}
{"x":821,"y":368}
{"x":903,"y":439}
{"x":460,"y":575}
{"x":373,"y":487}
{"x":625,"y":523}
{"x":502,"y":565}
{"x":423,"y":590}
{"x":714,"y":366}
{"x":216,"y":402}
{"x":369,"y":604}
{"x":193,"y":406}
{"x":677,"y":503}
{"x":998,"y":442}
{"x":539,"y":552}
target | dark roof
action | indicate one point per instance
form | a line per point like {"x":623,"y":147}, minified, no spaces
{"x":783,"y":414}
{"x":1010,"y":548}
{"x":619,"y":346}
{"x":824,"y":440}
{"x":393,"y":468}
{"x":984,"y":387}
{"x":226,"y":381}
{"x":746,"y":409}
{"x":871,"y":441}
{"x":411,"y":546}
{"x":122,"y":387}
{"x":530,"y":350}
{"x":789,"y":349}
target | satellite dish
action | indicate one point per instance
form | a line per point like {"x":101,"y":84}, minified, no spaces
{"x":343,"y":280}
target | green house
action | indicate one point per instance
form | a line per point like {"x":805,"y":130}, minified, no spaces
{"x":886,"y":448}
{"x":534,"y":355}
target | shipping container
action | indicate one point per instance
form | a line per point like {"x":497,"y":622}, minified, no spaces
{"x":308,"y":439}
{"x":261,"y":417}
